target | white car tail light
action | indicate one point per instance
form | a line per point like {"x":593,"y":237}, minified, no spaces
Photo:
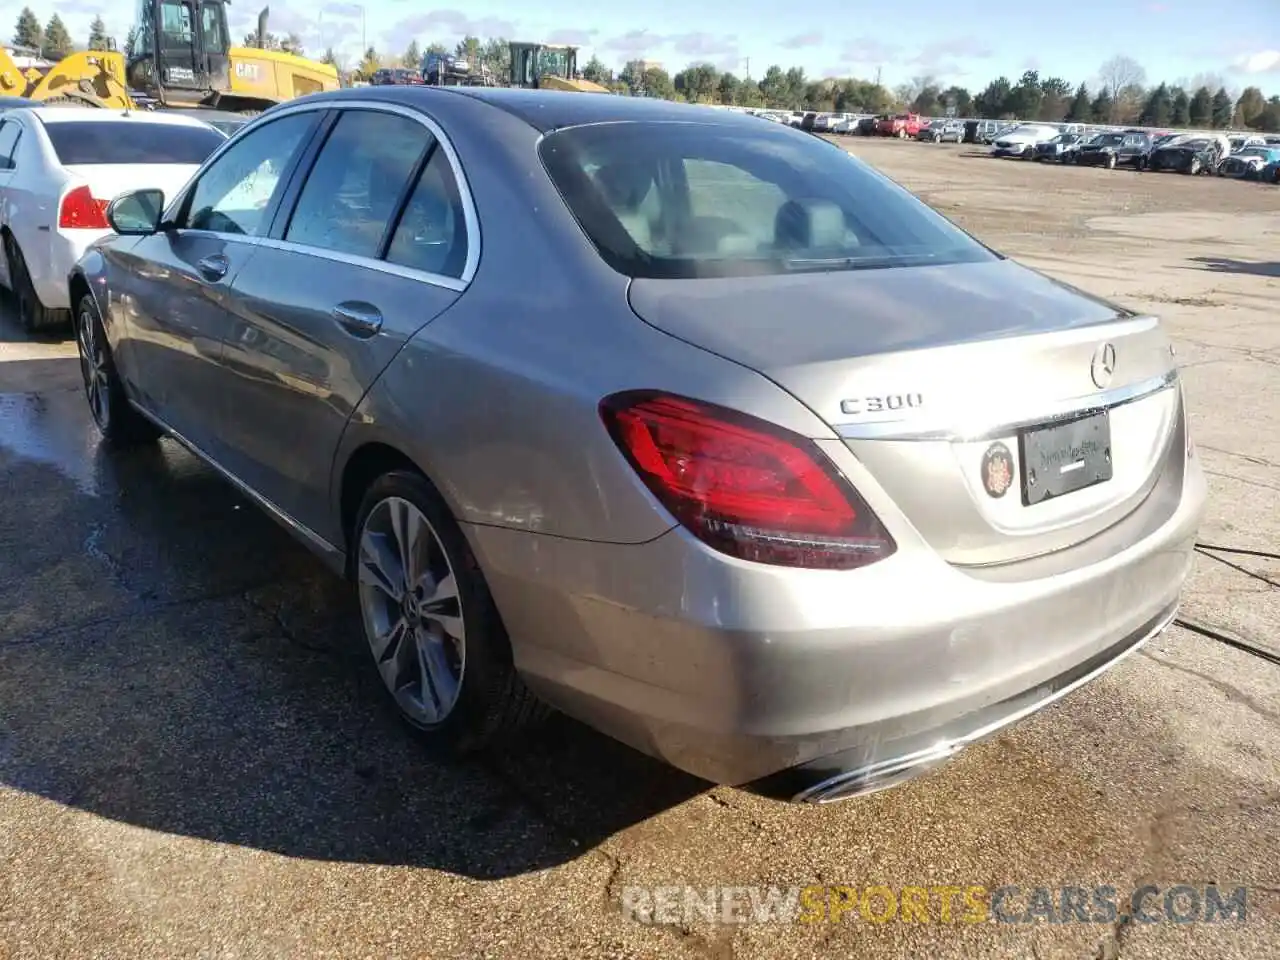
{"x":81,"y":210}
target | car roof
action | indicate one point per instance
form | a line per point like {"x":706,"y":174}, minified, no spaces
{"x":206,"y":113}
{"x":100,"y":115}
{"x":547,"y":110}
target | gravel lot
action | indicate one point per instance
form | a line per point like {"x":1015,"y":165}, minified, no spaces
{"x":194,"y":762}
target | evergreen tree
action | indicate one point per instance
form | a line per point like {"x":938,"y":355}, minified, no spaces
{"x":269,"y":42}
{"x":1200,"y":110}
{"x":293,"y":44}
{"x":1158,"y":108}
{"x":1223,"y":109}
{"x":1249,"y":107}
{"x":1270,"y":118}
{"x":1101,"y":107}
{"x":130,"y":42}
{"x":370,"y":64}
{"x":1081,"y":110}
{"x":596,"y":71}
{"x":330,"y":57}
{"x":1181,"y":113}
{"x":27,"y":32}
{"x":97,"y":35}
{"x":57,"y":41}
{"x":412,"y":56}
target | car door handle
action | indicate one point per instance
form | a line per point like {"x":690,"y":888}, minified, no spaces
{"x":213,"y":268}
{"x":358,"y":318}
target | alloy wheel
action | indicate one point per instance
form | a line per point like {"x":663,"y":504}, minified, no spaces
{"x":93,"y":368}
{"x":412,"y":611}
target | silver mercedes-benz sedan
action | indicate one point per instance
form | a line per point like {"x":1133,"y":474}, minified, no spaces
{"x":693,"y":427}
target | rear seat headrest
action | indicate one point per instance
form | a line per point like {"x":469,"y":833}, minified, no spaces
{"x":802,"y":224}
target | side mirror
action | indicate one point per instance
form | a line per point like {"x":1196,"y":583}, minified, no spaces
{"x":136,"y":213}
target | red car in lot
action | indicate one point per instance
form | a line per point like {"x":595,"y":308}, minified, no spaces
{"x":902,"y":125}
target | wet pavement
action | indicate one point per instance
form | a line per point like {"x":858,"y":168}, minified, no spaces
{"x":195,"y":759}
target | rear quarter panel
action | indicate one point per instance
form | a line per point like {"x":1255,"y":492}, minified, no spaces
{"x":109,"y":282}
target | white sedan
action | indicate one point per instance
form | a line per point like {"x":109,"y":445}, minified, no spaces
{"x":59,"y":168}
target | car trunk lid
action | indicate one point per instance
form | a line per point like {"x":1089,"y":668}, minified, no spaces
{"x":925,"y":370}
{"x":107,"y":181}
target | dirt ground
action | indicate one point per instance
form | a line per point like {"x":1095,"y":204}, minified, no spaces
{"x":191,"y":764}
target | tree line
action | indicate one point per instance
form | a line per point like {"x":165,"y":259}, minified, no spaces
{"x":1120,"y":95}
{"x":52,"y":40}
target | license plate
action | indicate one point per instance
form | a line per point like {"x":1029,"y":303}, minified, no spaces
{"x":1064,"y":457}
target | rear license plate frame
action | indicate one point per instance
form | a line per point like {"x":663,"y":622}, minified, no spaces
{"x":1064,"y":456}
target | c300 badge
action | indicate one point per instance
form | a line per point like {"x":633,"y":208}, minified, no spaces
{"x":997,"y":470}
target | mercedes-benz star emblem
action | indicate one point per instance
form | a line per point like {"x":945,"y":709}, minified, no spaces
{"x":997,"y":470}
{"x":1104,"y":365}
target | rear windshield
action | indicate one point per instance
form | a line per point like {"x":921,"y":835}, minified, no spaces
{"x":107,"y":142}
{"x":685,"y":200}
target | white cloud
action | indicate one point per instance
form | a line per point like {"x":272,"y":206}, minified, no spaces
{"x":1264,"y":61}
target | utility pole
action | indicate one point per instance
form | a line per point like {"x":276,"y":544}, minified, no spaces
{"x":748,"y":63}
{"x":878,"y":69}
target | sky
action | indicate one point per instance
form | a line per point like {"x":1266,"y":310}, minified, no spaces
{"x":969,"y":44}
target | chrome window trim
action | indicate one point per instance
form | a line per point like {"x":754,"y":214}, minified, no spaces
{"x":936,"y":430}
{"x":367,"y":263}
{"x":470,"y":217}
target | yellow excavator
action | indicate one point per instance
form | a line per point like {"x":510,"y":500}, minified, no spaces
{"x":181,"y":57}
{"x":547,"y":66}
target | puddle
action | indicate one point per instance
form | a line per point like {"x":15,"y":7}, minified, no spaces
{"x":32,"y":429}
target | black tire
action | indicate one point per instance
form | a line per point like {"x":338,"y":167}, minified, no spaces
{"x":492,"y":704}
{"x":116,"y":419}
{"x":67,"y":102}
{"x":34,"y":316}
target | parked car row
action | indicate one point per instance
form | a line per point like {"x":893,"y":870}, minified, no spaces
{"x":660,"y":529}
{"x":1242,"y":157}
{"x":1239,"y":156}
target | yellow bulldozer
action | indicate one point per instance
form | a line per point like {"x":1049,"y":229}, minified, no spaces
{"x":181,"y":57}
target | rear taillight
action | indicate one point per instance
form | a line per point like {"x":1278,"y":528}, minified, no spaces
{"x":746,"y":487}
{"x":80,"y":210}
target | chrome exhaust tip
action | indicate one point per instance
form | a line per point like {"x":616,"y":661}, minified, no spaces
{"x":877,"y":777}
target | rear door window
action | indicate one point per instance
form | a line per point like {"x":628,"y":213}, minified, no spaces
{"x":9,"y":134}
{"x":431,"y":234}
{"x":355,"y":186}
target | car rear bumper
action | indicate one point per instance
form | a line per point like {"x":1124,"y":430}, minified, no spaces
{"x":857,"y":772}
{"x":65,"y":248}
{"x":782,"y":680}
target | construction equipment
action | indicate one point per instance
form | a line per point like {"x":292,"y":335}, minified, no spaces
{"x":20,"y":69}
{"x":89,"y":77}
{"x":546,"y":66}
{"x":181,"y":57}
